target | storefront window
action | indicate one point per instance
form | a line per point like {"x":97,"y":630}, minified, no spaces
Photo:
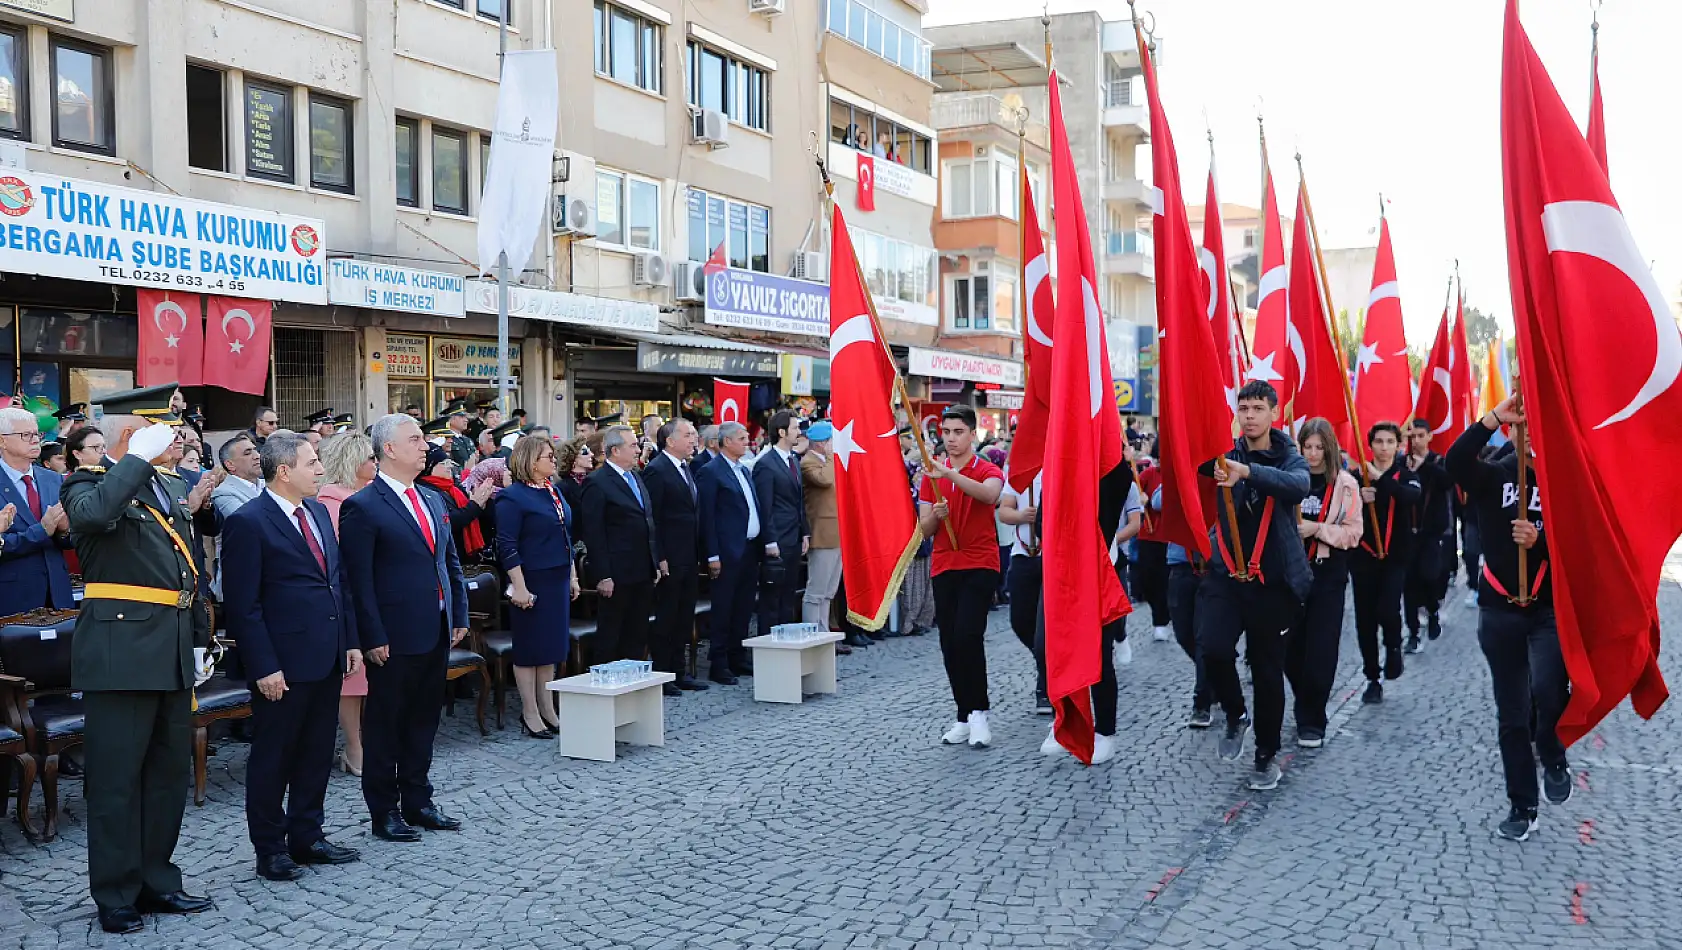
{"x":14,"y":83}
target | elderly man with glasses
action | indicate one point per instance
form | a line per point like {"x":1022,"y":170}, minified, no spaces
{"x":33,"y":572}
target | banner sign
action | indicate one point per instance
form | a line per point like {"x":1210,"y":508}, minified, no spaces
{"x":384,"y":287}
{"x":406,"y":356}
{"x":894,"y":178}
{"x":696,"y":361}
{"x":458,"y":358}
{"x":969,"y":366}
{"x":553,"y":306}
{"x":83,"y":230}
{"x":796,"y":374}
{"x":57,"y":9}
{"x":755,"y":301}
{"x":515,"y":202}
{"x":1004,"y":399}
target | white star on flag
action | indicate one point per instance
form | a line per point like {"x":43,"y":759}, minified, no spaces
{"x":171,"y":341}
{"x":1262,"y":369}
{"x":1367,"y":358}
{"x":844,"y":445}
{"x":236,"y":346}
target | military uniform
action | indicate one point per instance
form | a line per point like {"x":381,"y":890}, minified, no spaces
{"x":141,"y":617}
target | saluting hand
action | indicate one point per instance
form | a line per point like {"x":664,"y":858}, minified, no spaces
{"x":272,"y":686}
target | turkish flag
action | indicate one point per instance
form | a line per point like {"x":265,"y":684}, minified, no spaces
{"x":1323,"y":392}
{"x":867,"y":181}
{"x":1600,"y":354}
{"x":1027,"y":447}
{"x":1436,"y":393}
{"x":171,"y":338}
{"x":1081,"y":590}
{"x":1383,"y":379}
{"x":1597,"y":108}
{"x":1196,"y":393}
{"x":730,"y":401}
{"x":1276,"y":355}
{"x":879,"y":534}
{"x":1460,"y":367}
{"x":718,"y":262}
{"x":1218,"y":293}
{"x":236,"y":344}
{"x":925,"y":413}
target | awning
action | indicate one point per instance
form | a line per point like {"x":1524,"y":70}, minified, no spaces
{"x":696,"y":341}
{"x":690,"y":354}
{"x":986,"y":67}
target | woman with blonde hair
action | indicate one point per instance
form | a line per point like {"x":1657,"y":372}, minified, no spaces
{"x":347,"y":460}
{"x":534,"y":543}
{"x":1330,"y":528}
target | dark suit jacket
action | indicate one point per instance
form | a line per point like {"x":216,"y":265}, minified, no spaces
{"x":782,"y":503}
{"x":32,"y":563}
{"x":388,"y":568}
{"x":724,"y":514}
{"x":285,"y":614}
{"x":676,"y":513}
{"x":529,"y":535}
{"x":618,"y":532}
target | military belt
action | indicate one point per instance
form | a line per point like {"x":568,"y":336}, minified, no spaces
{"x":181,"y":599}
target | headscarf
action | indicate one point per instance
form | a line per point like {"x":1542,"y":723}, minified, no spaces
{"x":472,"y":536}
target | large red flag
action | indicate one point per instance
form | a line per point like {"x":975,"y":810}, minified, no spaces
{"x":879,"y":533}
{"x":1597,"y":108}
{"x":1324,"y":379}
{"x":1383,"y":379}
{"x":1600,"y":355}
{"x":1081,"y":589}
{"x":1027,"y":447}
{"x":1465,"y":391}
{"x":1218,"y":293}
{"x":1436,"y":393}
{"x":236,"y":344}
{"x":171,"y":339}
{"x":730,"y":401}
{"x":1276,"y":354}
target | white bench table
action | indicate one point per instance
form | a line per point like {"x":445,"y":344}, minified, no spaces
{"x":785,"y":670}
{"x":594,"y":718}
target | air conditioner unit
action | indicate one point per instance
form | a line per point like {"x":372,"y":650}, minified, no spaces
{"x":691,"y":282}
{"x":571,"y":214}
{"x":809,"y":265}
{"x":649,"y":270}
{"x":768,"y":7}
{"x":709,"y":127}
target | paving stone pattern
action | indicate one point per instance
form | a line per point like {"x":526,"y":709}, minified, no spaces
{"x":842,"y":823}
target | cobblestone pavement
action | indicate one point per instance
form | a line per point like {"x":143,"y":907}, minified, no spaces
{"x":844,"y":823}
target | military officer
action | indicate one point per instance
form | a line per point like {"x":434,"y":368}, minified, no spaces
{"x":457,"y":442}
{"x":343,"y":422}
{"x":142,"y":615}
{"x":321,"y":422}
{"x":70,"y":418}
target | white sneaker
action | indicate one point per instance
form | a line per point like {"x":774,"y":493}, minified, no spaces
{"x":957,"y":735}
{"x":1103,"y":748}
{"x":1124,"y":652}
{"x":1162,"y":634}
{"x":1051,"y":746}
{"x":979,"y":734}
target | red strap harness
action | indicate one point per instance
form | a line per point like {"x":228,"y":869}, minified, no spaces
{"x":1325,"y":507}
{"x":1535,"y":586}
{"x":1389,"y":523}
{"x":1253,"y":569}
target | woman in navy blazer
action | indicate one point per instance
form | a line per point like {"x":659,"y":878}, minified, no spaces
{"x":534,"y":541}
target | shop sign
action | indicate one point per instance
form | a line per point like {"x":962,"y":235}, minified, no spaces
{"x":468,"y":358}
{"x":796,"y":374}
{"x":354,"y":283}
{"x":553,"y":306}
{"x":405,"y":356}
{"x":83,"y":230}
{"x":942,"y":364}
{"x":57,"y":9}
{"x":906,"y":312}
{"x":698,"y":361}
{"x":1004,"y":399}
{"x":755,"y":301}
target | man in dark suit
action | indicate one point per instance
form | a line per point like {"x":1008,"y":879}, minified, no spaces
{"x":287,"y":610}
{"x":671,"y":488}
{"x":779,"y":489}
{"x":397,"y":544}
{"x":616,"y":516}
{"x":730,"y":536}
{"x":708,"y":451}
{"x":32,"y":571}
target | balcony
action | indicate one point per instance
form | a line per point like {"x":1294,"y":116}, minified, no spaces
{"x":1120,"y":44}
{"x":1130,"y":195}
{"x":949,"y":112}
{"x":858,"y":24}
{"x":1124,"y":108}
{"x":1130,"y":253}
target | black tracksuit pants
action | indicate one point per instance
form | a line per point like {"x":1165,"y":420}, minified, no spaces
{"x":1183,"y":583}
{"x":1311,"y":647}
{"x":1423,"y":586}
{"x":1150,"y":580}
{"x":1378,"y":603}
{"x":1261,"y":613}
{"x":962,"y":599}
{"x":1521,"y":645}
{"x":1026,"y":583}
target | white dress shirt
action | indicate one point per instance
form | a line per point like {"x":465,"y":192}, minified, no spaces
{"x":402,"y":491}
{"x":287,"y":509}
{"x":741,"y":474}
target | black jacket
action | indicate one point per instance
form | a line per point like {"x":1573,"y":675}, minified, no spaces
{"x":781,"y":495}
{"x":1491,"y":488}
{"x":676,"y":513}
{"x":1431,"y":515}
{"x":1280,"y":473}
{"x":1395,"y":495}
{"x":618,"y":532}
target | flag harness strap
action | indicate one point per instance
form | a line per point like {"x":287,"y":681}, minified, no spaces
{"x":1389,"y":522}
{"x":1252,"y":570}
{"x":1535,"y":587}
{"x":1315,"y":544}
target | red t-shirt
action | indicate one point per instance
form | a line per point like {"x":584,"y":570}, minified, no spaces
{"x":978,"y":536}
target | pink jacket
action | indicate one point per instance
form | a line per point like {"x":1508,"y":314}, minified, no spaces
{"x":331,"y":496}
{"x":1340,"y":523}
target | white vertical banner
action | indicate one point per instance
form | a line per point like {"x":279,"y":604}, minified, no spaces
{"x":515,"y":204}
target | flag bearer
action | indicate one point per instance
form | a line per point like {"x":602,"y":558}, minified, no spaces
{"x":1426,"y":582}
{"x":1381,"y":562}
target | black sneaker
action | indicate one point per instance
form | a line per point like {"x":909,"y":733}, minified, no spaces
{"x":1519,"y":824}
{"x":1309,"y":737}
{"x":1232,"y":742}
{"x":1042,"y":706}
{"x":1266,"y":775}
{"x":1392,"y":664}
{"x":1200,"y":718}
{"x":1414,"y":644}
{"x":1435,"y":628}
{"x":1374,"y":694}
{"x":1556,"y":784}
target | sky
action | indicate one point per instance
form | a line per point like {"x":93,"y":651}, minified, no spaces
{"x":1403,"y":98}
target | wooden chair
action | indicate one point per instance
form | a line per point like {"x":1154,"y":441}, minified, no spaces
{"x":219,"y":698}
{"x":14,"y":747}
{"x":35,"y":647}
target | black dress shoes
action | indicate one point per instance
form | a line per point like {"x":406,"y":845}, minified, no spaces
{"x":687,"y":682}
{"x":390,"y":827}
{"x":723,"y":677}
{"x":856,"y":639}
{"x":278,"y":867}
{"x":121,"y":920}
{"x":841,"y":649}
{"x":326,"y":852}
{"x":175,"y":902}
{"x":431,"y":819}
{"x":670,"y":689}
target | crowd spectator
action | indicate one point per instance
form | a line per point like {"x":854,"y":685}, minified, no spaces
{"x":618,"y":527}
{"x":86,"y":446}
{"x":347,"y":461}
{"x":464,"y":509}
{"x":574,"y":460}
{"x":33,"y":573}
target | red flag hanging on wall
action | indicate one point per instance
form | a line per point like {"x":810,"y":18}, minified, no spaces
{"x":730,"y":401}
{"x":1027,"y":447}
{"x":171,"y":338}
{"x":1600,"y":355}
{"x":1383,"y":379}
{"x":1436,"y":393}
{"x":236,"y":344}
{"x":867,"y":181}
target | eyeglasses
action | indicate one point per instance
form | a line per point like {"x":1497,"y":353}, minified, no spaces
{"x":25,"y":436}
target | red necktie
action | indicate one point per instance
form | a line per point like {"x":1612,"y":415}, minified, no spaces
{"x":309,"y":538}
{"x":34,"y":496}
{"x":425,"y":523}
{"x":794,"y":467}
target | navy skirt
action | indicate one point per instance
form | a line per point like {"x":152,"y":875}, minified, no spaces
{"x":543,"y":633}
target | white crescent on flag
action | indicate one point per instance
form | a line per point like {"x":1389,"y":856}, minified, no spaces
{"x":170,"y":306}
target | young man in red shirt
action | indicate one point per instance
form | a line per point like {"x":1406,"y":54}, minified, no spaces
{"x":965,"y":574}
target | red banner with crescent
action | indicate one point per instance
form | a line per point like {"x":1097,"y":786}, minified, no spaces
{"x":171,"y":338}
{"x":730,"y":401}
{"x":236,"y":344}
{"x":867,"y":182}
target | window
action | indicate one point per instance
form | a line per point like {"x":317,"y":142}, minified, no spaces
{"x":449,"y":170}
{"x":984,"y":299}
{"x":408,"y":163}
{"x":628,"y":48}
{"x":738,"y":89}
{"x":484,"y":161}
{"x":897,"y":270}
{"x":1249,"y":239}
{"x":14,"y":83}
{"x":488,"y":9}
{"x":82,"y":119}
{"x":206,"y":119}
{"x":331,"y":159}
{"x":980,"y":187}
{"x":744,"y":228}
{"x":902,"y":46}
{"x":866,"y":131}
{"x":268,"y":131}
{"x":627,"y":211}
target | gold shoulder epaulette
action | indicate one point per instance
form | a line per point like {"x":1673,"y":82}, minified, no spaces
{"x":96,"y":469}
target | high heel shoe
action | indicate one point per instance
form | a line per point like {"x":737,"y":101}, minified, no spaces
{"x":534,"y":733}
{"x":344,"y":763}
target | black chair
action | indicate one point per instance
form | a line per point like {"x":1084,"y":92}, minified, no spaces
{"x":218,"y":698}
{"x":35,"y":647}
{"x":14,"y":747}
{"x":491,"y":638}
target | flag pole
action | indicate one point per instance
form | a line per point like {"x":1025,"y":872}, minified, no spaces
{"x":1022,"y":270}
{"x":882,"y":341}
{"x":1337,"y":345}
{"x":1521,"y":451}
{"x":502,"y":257}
